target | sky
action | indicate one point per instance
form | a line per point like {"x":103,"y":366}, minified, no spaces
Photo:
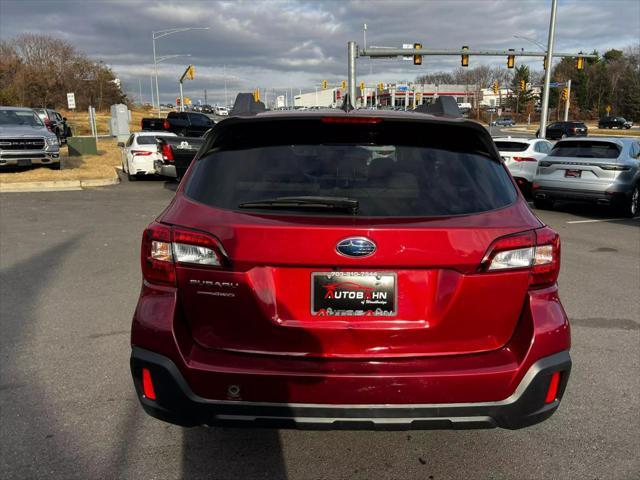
{"x":294,"y":45}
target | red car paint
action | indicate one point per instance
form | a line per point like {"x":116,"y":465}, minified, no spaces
{"x":461,"y":334}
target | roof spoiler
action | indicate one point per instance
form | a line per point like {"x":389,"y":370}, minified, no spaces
{"x":444,"y":106}
{"x":246,"y":104}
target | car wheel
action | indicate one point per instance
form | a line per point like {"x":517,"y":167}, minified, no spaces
{"x":543,"y":203}
{"x":630,"y":206}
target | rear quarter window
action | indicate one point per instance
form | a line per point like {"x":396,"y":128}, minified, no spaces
{"x":435,"y":176}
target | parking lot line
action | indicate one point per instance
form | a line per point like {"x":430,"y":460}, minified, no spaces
{"x":599,"y":220}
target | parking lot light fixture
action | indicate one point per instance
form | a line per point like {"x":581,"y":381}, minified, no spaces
{"x":157,"y":35}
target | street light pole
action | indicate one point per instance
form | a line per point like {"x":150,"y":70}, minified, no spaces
{"x":163,"y":33}
{"x":547,"y":71}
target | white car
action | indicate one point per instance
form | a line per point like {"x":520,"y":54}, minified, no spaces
{"x":140,"y":152}
{"x":521,"y":156}
{"x":221,"y":111}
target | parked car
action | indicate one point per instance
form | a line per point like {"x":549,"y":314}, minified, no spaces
{"x":558,"y":130}
{"x":521,"y":155}
{"x":188,"y":124}
{"x":614,"y":122}
{"x":139,"y":152}
{"x":221,"y":111}
{"x":25,"y":140}
{"x":602,"y":170}
{"x":175,"y":155}
{"x":55,"y":122}
{"x":349,"y":270}
{"x":503,"y":122}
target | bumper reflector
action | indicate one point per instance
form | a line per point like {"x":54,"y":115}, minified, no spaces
{"x":147,"y":385}
{"x":552,"y":393}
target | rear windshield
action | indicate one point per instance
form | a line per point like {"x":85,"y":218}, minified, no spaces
{"x":512,"y":146}
{"x":146,"y":140}
{"x":387,"y":179}
{"x":586,"y":149}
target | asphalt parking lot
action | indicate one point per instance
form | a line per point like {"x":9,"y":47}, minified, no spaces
{"x":69,"y":280}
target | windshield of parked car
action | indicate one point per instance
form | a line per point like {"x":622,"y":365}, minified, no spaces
{"x":27,"y":118}
{"x":386,"y":179}
{"x":512,"y":146}
{"x":586,"y":149}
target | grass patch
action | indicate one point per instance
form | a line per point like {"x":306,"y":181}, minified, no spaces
{"x":101,"y":166}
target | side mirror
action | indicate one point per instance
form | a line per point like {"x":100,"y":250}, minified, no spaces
{"x":121,"y":144}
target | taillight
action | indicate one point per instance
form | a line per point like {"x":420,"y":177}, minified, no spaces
{"x":163,"y":247}
{"x":535,"y":250}
{"x":524,"y":159}
{"x":147,"y":385}
{"x":140,"y":152}
{"x":552,"y":391}
{"x":167,"y":153}
{"x":166,"y":125}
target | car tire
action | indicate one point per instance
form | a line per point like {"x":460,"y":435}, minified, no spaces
{"x":630,"y":206}
{"x":543,"y":203}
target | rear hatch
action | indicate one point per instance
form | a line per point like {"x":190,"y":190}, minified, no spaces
{"x":360,"y":239}
{"x":582,"y":164}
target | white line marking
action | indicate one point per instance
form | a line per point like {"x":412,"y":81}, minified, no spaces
{"x":600,"y":220}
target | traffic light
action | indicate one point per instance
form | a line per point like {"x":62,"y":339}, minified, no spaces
{"x":381,"y":86}
{"x":464,"y":61}
{"x":324,"y":84}
{"x":362,"y":86}
{"x":544,"y":62}
{"x":191,"y":72}
{"x":343,"y":84}
{"x":496,"y":87}
{"x":417,"y":59}
{"x":565,"y":93}
{"x":580,"y":63}
{"x":511,"y":59}
{"x":256,"y":94}
{"x":523,"y":85}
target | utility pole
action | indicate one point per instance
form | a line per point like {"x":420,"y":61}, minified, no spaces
{"x":351,"y":72}
{"x":566,"y":104}
{"x":547,"y":71}
{"x":205,"y":96}
{"x":140,"y":88}
{"x":226,"y":99}
{"x":153,"y":104}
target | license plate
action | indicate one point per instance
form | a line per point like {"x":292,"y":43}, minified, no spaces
{"x":24,"y":162}
{"x":353,"y":294}
{"x":573,"y":173}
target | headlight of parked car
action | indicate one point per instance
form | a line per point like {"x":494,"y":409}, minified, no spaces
{"x":52,"y":141}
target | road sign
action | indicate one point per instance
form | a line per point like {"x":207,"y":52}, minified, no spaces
{"x":608,"y":109}
{"x":407,"y":46}
{"x":555,"y":84}
{"x":71,"y":101}
{"x":402,"y":88}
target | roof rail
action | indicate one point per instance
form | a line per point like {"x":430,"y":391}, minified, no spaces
{"x":444,"y":106}
{"x":246,"y":104}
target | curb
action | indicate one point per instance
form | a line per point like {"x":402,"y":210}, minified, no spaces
{"x":58,"y":185}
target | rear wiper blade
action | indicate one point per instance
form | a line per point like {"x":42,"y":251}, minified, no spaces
{"x":305,"y":203}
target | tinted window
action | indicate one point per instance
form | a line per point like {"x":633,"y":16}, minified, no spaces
{"x":200,"y":120}
{"x":512,"y":146}
{"x":388,"y":180}
{"x":146,"y":140}
{"x":586,"y":149}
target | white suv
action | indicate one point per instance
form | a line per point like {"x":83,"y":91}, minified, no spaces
{"x":521,"y":156}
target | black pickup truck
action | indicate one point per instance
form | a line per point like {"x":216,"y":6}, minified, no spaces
{"x":186,"y":124}
{"x":177,"y":154}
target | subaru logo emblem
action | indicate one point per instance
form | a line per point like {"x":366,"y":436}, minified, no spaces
{"x":356,"y":247}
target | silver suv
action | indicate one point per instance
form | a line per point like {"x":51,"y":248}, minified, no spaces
{"x":25,"y":140}
{"x":602,"y":170}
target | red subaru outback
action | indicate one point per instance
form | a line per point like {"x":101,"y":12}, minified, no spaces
{"x":344,"y":270}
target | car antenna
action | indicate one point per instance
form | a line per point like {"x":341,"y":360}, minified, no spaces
{"x":346,"y":104}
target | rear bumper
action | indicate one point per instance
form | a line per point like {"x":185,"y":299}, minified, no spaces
{"x":177,"y":403}
{"x":164,"y":169}
{"x":603,"y":197}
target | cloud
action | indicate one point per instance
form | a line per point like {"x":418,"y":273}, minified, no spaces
{"x":296,"y":44}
